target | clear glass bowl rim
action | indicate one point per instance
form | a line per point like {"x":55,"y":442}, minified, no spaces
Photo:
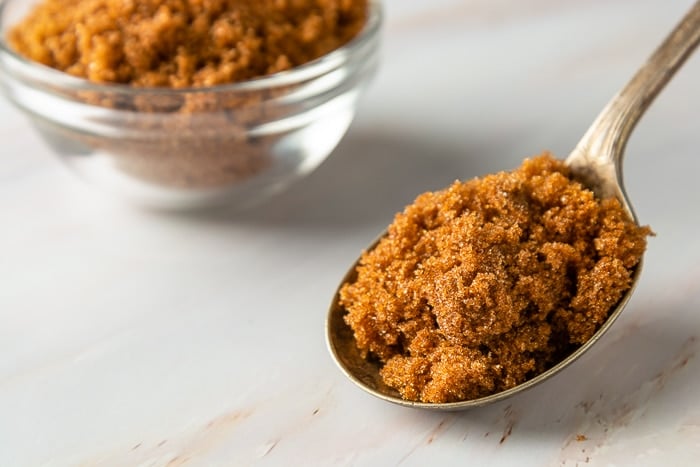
{"x":307,"y":71}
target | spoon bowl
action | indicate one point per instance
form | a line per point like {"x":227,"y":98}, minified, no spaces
{"x":597,"y":163}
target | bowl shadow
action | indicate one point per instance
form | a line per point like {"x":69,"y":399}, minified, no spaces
{"x":368,"y":178}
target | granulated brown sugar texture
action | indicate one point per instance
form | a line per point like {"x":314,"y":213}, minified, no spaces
{"x":183,"y":43}
{"x":180,"y":44}
{"x":479,"y":287}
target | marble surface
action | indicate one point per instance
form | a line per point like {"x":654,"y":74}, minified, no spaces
{"x":130,"y":338}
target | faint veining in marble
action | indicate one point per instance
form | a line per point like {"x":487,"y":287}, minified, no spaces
{"x":510,"y":419}
{"x":604,"y":419}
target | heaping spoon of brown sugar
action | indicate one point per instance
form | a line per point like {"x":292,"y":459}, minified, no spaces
{"x":597,"y":162}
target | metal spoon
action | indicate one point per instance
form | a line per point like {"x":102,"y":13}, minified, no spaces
{"x":597,"y":161}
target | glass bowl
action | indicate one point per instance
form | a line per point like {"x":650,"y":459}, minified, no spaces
{"x":187,"y":148}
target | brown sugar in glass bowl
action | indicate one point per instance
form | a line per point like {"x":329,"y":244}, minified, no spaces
{"x":477,"y":288}
{"x":180,"y":104}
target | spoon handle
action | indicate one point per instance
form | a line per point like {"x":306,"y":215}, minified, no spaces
{"x":604,"y":143}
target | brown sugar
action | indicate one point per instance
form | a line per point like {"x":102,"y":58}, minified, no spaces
{"x":201,"y":139}
{"x":485,"y":284}
{"x":184,"y":43}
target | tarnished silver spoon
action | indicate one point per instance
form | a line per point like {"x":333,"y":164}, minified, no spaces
{"x":597,"y":161}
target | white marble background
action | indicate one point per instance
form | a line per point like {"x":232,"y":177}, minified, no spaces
{"x":133,"y":338}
